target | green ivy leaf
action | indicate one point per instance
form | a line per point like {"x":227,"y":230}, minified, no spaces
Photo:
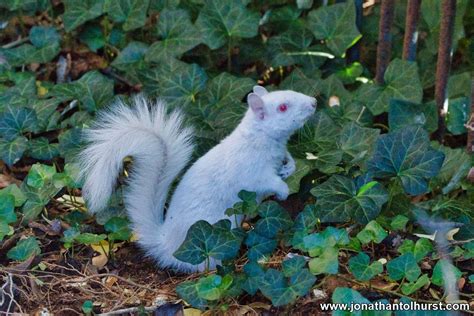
{"x":344,"y":295}
{"x":42,"y":36}
{"x":372,"y":232}
{"x":294,"y":47}
{"x":399,"y":222}
{"x":254,"y":274}
{"x":336,"y":25}
{"x":293,"y":265}
{"x":132,"y":13}
{"x":188,"y":292}
{"x":14,"y":191}
{"x":89,"y":238}
{"x":404,"y":266}
{"x":331,"y":237}
{"x":409,"y":288}
{"x":302,"y":169}
{"x":402,"y":114}
{"x":177,"y":36}
{"x":281,"y":291}
{"x":118,"y":228}
{"x":11,"y":151}
{"x":440,"y":271}
{"x":41,"y":149}
{"x":362,"y":269}
{"x":458,"y":115}
{"x":78,"y":12}
{"x":24,"y":249}
{"x":221,"y":21}
{"x":401,"y":82}
{"x":357,"y":142}
{"x":274,"y":219}
{"x":93,"y":90}
{"x":93,"y":37}
{"x":131,"y":55}
{"x":177,"y":83}
{"x":260,"y":247}
{"x":248,"y":206}
{"x":327,"y":262}
{"x":17,"y":120}
{"x":406,"y":154}
{"x":7,"y":209}
{"x":204,"y":240}
{"x":39,"y":174}
{"x":342,"y":200}
{"x":212,"y":287}
{"x":455,"y":167}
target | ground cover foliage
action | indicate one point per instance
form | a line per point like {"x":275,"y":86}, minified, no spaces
{"x":378,"y":209}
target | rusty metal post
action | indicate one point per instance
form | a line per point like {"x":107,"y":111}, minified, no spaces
{"x":443,"y":65}
{"x":411,"y":35}
{"x":470,"y":124}
{"x":384,"y":46}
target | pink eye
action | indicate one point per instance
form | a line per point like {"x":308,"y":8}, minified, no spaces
{"x":282,"y":107}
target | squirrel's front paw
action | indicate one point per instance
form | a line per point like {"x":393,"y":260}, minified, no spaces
{"x":283,"y":194}
{"x":287,"y":169}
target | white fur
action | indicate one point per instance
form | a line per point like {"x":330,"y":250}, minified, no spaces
{"x":250,"y":158}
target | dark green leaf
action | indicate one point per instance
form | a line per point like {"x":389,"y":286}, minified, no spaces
{"x":79,"y":12}
{"x":274,"y":219}
{"x":293,"y":265}
{"x":42,"y":36}
{"x":458,"y":114}
{"x":220,"y":21}
{"x":409,"y":288}
{"x":7,"y":209}
{"x":41,"y":149}
{"x":404,"y":266}
{"x":403,"y":114}
{"x":445,"y":270}
{"x":132,"y":13}
{"x":336,"y":25}
{"x":13,"y":190}
{"x":372,"y":232}
{"x":357,"y":142}
{"x":24,"y":249}
{"x":260,"y":247}
{"x":12,"y":151}
{"x":17,"y":120}
{"x":362,"y":269}
{"x":406,"y":154}
{"x":188,"y":292}
{"x":327,"y":262}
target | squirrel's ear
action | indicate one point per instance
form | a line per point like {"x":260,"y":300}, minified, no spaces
{"x":256,"y":104}
{"x":260,"y":90}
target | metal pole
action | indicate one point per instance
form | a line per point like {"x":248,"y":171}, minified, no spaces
{"x":411,"y":34}
{"x":443,"y":65}
{"x":384,"y":47}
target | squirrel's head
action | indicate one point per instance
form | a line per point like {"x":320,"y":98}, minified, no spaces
{"x":281,"y":112}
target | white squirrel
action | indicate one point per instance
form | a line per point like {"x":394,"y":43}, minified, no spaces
{"x":253,"y":158}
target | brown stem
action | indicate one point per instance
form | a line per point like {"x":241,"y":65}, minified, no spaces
{"x":384,"y":46}
{"x":411,"y":35}
{"x":448,"y":13}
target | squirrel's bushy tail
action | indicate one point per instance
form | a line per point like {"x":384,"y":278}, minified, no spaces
{"x":160,"y":147}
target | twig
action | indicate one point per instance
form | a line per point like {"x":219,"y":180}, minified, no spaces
{"x":19,"y":41}
{"x":130,"y":310}
{"x":411,"y":34}
{"x":443,"y":65}
{"x":384,"y":47}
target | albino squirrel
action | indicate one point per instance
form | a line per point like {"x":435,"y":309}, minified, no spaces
{"x":253,"y":158}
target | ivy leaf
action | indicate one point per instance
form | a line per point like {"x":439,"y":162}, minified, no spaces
{"x":11,"y":151}
{"x":188,"y":292}
{"x":403,"y":114}
{"x":362,"y":269}
{"x":78,"y":12}
{"x":455,"y":167}
{"x":132,"y":54}
{"x":409,"y":288}
{"x":357,"y":142}
{"x":327,"y":262}
{"x":27,"y":54}
{"x":342,"y":200}
{"x":293,"y":265}
{"x":336,"y":25}
{"x":118,"y":228}
{"x":399,"y":222}
{"x":331,"y":237}
{"x":93,"y":37}
{"x":260,"y":247}
{"x":17,"y":120}
{"x":372,"y":232}
{"x":406,"y":154}
{"x":458,"y":115}
{"x":443,"y":268}
{"x":254,"y":274}
{"x":220,"y":21}
{"x":274,"y":219}
{"x":7,"y":209}
{"x":212,"y":287}
{"x":14,"y":191}
{"x":302,"y":169}
{"x":93,"y":90}
{"x":42,"y":36}
{"x":248,"y":206}
{"x":281,"y":291}
{"x":204,"y":240}
{"x":41,"y":149}
{"x":177,"y":34}
{"x":132,"y":13}
{"x":346,"y":295}
{"x":401,"y":82}
{"x":404,"y":266}
{"x":294,"y":47}
{"x":89,"y":238}
{"x":177,"y":83}
{"x":39,"y":174}
{"x":24,"y":249}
